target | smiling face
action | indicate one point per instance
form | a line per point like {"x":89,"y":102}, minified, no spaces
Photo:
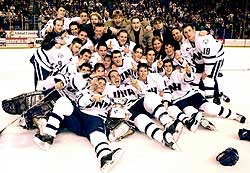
{"x":75,"y":48}
{"x":74,"y":30}
{"x":85,"y":70}
{"x":107,"y":62}
{"x":84,"y":17}
{"x":136,"y":24}
{"x":58,"y":27}
{"x":61,"y":12}
{"x":98,"y":30}
{"x":142,"y":73}
{"x":115,"y":78}
{"x":150,"y":57}
{"x":177,"y":35}
{"x":84,"y":57}
{"x":83,"y":36}
{"x":137,"y":55}
{"x":122,"y":38}
{"x":101,"y":84}
{"x":169,"y":50}
{"x":189,"y":33}
{"x":100,"y":71}
{"x":157,"y":44}
{"x":168,"y":68}
{"x":117,"y":59}
{"x":94,"y":19}
{"x":102,"y":51}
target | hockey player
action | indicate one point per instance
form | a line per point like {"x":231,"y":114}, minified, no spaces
{"x":50,"y":62}
{"x":121,"y":43}
{"x":155,"y":66}
{"x":101,"y":52}
{"x":44,"y":65}
{"x":84,"y":120}
{"x":208,"y":55}
{"x":170,"y":54}
{"x":137,"y":55}
{"x":84,"y":56}
{"x":190,"y":100}
{"x":153,"y":82}
{"x":86,"y":42}
{"x":123,"y":65}
{"x":142,"y":109}
{"x":60,"y":15}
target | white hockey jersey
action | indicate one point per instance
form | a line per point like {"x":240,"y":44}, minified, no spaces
{"x":54,"y":59}
{"x":155,"y":83}
{"x":125,"y":71}
{"x":205,"y":50}
{"x":49,"y":24}
{"x":129,"y":94}
{"x":95,"y":58}
{"x":116,"y":46}
{"x":179,"y":86}
{"x":93,"y":107}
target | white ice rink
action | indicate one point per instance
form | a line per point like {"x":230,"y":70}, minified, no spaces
{"x":71,"y":153}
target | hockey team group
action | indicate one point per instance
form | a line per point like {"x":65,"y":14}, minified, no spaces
{"x":110,"y":84}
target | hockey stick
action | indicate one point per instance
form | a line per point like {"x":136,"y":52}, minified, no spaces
{"x":10,"y":124}
{"x":236,"y":69}
{"x":26,"y":111}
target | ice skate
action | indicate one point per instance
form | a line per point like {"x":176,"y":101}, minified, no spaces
{"x":168,"y":140}
{"x":109,"y":160}
{"x":43,"y":141}
{"x":206,"y":124}
{"x":175,"y":128}
{"x":193,"y":123}
{"x":244,"y":134}
{"x":241,"y":118}
{"x":225,"y":98}
{"x":217,"y":101}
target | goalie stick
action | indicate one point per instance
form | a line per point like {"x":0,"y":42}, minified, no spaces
{"x":26,"y":111}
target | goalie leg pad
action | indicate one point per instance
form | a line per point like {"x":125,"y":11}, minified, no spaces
{"x":22,"y":102}
{"x":37,"y":112}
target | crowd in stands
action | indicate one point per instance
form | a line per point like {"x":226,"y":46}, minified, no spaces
{"x":224,"y":19}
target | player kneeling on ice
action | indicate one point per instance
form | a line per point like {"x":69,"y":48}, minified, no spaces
{"x":87,"y":120}
{"x":143,"y":108}
{"x":190,"y":100}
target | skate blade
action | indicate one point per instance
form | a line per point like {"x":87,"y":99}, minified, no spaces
{"x":177,"y":134}
{"x":209,"y":126}
{"x":171,"y":143}
{"x":115,"y":158}
{"x":197,"y":123}
{"x":43,"y":145}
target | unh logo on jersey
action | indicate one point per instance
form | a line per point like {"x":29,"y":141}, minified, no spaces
{"x":205,"y":41}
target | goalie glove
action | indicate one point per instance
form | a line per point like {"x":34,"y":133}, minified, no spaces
{"x":229,"y":157}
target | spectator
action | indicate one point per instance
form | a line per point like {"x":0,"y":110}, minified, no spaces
{"x":2,"y":33}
